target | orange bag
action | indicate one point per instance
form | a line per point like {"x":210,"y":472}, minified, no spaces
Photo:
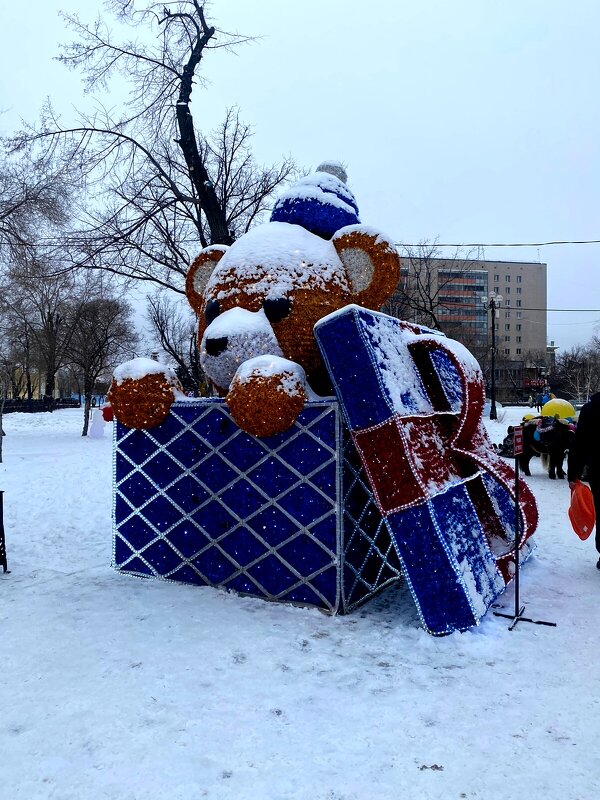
{"x":581,"y":511}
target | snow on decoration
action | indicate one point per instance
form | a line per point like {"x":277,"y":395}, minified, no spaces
{"x":264,"y":492}
{"x":321,"y":202}
{"x":413,"y":400}
{"x":142,"y":391}
{"x":267,"y":394}
{"x":262,"y":297}
{"x":290,"y":519}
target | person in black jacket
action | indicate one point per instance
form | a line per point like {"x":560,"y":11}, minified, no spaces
{"x":584,"y":455}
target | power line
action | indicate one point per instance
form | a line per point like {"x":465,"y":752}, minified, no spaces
{"x":51,"y":241}
{"x":447,"y":304}
{"x":505,"y":244}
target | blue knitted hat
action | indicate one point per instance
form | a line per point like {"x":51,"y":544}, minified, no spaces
{"x":321,"y":203}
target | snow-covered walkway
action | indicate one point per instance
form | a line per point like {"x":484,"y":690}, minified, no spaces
{"x":113,"y":688}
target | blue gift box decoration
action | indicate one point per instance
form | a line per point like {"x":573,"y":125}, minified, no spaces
{"x":413,"y":401}
{"x":288,"y":518}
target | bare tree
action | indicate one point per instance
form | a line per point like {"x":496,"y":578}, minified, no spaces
{"x":175,"y":329}
{"x":428,"y":293}
{"x":103,"y":335}
{"x":166,"y":189}
{"x":33,"y":200}
{"x":578,"y":370}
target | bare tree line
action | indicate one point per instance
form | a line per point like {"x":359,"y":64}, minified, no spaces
{"x":130,"y":193}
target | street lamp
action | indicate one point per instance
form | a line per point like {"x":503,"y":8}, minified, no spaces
{"x":493,"y":302}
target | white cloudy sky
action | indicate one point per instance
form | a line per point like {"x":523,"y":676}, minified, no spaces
{"x":465,"y":121}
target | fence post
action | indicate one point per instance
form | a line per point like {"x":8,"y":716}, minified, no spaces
{"x":3,"y":562}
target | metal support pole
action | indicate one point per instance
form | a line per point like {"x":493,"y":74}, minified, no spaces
{"x":493,"y":412}
{"x":519,"y":609}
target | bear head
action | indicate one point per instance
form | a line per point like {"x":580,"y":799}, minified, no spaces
{"x":263,"y":294}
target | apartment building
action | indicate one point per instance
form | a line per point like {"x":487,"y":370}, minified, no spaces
{"x":458,"y":291}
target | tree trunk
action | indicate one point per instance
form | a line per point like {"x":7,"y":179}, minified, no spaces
{"x":49,"y":392}
{"x":1,"y":428}
{"x":209,"y":202}
{"x":86,"y":414}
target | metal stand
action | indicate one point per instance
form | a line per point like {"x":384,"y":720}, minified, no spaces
{"x":3,"y":562}
{"x":519,"y":609}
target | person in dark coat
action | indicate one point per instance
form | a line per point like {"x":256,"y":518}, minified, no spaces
{"x":584,"y":455}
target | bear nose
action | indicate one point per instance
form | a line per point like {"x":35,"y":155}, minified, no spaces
{"x":214,"y":347}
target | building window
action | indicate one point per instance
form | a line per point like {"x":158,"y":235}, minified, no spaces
{"x":496,"y":278}
{"x":519,"y":314}
{"x":518,"y":340}
{"x":507,"y":290}
{"x":519,"y":278}
{"x":507,"y":327}
{"x":518,"y":304}
{"x":507,"y":315}
{"x":519,"y":290}
{"x":518,"y":351}
{"x":507,"y":278}
{"x":507,"y":303}
{"x":518,"y":326}
{"x":507,"y":351}
{"x":507,"y":338}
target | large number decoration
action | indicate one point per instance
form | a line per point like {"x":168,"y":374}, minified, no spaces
{"x":413,"y":400}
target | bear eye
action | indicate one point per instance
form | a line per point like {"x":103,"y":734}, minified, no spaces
{"x":212,"y":310}
{"x":278,"y":309}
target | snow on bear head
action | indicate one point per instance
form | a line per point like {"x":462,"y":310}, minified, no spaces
{"x":264,"y":294}
{"x":261,"y":297}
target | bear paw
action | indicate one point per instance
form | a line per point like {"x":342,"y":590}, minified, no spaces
{"x":142,"y":392}
{"x":266,"y":395}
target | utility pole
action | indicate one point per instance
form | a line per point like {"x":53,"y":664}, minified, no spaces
{"x":493,"y":302}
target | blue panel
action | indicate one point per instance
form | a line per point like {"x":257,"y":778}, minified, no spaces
{"x":449,"y":378}
{"x":503,"y":502}
{"x":243,"y":546}
{"x":354,"y":374}
{"x":465,"y":539}
{"x":440,"y":542}
{"x":214,"y":505}
{"x":428,"y":569}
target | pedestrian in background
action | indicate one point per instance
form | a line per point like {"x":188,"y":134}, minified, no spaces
{"x":584,"y":455}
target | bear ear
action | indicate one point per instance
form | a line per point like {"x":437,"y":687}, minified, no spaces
{"x":372,"y":264}
{"x":199,"y":272}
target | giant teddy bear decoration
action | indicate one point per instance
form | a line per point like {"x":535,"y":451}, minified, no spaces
{"x":412,"y":399}
{"x":258,"y":300}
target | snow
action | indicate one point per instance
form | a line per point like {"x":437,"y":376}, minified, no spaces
{"x":327,"y":188}
{"x":367,"y":230}
{"x":248,"y":333}
{"x":291,"y":375}
{"x":140,"y":367}
{"x":274,"y":259}
{"x":239,"y":321}
{"x":113,"y":688}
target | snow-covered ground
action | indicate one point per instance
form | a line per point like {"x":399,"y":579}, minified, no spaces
{"x":125,"y":689}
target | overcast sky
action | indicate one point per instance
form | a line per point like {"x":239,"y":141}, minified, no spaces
{"x":463,"y":121}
